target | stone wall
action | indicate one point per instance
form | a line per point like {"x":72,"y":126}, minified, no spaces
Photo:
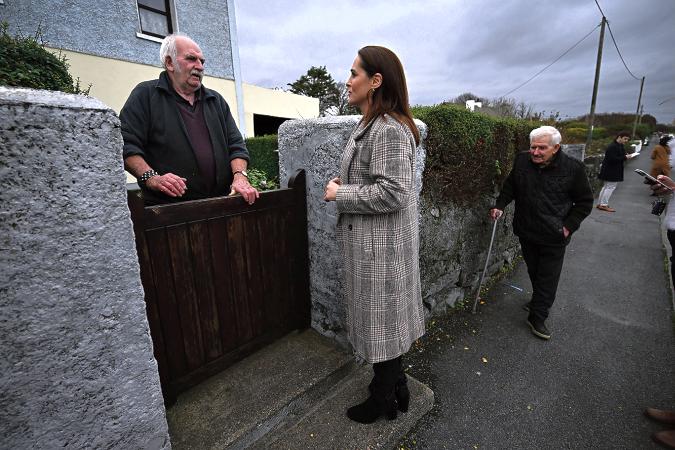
{"x":577,"y":151}
{"x":453,"y":239}
{"x":76,"y":358}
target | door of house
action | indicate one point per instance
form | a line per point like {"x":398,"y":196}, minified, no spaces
{"x":222,"y":278}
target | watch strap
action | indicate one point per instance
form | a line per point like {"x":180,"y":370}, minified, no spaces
{"x":147,"y":175}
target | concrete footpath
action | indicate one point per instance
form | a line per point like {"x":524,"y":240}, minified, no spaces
{"x":612,"y":351}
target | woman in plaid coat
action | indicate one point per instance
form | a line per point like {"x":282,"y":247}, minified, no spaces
{"x":377,"y":229}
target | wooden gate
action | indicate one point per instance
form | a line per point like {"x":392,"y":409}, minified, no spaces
{"x":221,"y":278}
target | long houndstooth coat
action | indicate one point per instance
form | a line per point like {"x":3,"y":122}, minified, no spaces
{"x":378,"y":235}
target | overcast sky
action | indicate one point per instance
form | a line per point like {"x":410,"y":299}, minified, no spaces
{"x":487,"y":47}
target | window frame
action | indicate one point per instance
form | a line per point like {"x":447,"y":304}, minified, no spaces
{"x":170,"y":15}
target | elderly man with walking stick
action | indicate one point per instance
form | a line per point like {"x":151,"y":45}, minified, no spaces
{"x":552,"y":196}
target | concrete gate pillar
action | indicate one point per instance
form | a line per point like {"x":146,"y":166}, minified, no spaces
{"x":76,"y":362}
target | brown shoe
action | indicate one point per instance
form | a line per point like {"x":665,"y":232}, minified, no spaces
{"x":605,"y":208}
{"x":666,"y":438}
{"x":661,"y":415}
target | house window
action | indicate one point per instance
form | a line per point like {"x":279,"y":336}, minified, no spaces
{"x":154,"y":17}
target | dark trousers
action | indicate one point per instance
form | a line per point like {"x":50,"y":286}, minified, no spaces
{"x":671,"y":239}
{"x":387,"y":374}
{"x":544,"y":264}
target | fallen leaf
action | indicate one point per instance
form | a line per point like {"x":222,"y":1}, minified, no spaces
{"x":466,"y":348}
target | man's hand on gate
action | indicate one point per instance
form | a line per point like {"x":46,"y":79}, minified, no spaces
{"x":496,"y":213}
{"x":169,"y":184}
{"x":241,"y":186}
{"x":566,"y":232}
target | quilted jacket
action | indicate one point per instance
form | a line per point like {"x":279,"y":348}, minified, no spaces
{"x":547,"y":198}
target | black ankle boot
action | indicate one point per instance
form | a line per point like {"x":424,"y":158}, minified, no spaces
{"x":401,"y":391}
{"x":372,"y":409}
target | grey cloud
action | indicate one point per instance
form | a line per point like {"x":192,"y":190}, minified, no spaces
{"x":487,"y":47}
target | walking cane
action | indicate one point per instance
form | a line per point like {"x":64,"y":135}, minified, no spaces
{"x":487,"y":260}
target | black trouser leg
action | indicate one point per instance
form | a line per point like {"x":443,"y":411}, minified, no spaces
{"x":402,"y":378}
{"x":671,"y":239}
{"x":386,"y":376}
{"x":544,"y":264}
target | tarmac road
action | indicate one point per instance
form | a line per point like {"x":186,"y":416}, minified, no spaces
{"x":612,"y":351}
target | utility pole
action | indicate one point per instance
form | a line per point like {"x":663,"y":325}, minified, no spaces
{"x":637,"y":111}
{"x":591,"y":116}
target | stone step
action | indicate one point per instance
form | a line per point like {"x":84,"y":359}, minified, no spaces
{"x":291,"y":394}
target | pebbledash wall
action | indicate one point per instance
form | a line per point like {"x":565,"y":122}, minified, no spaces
{"x":453,"y":239}
{"x":76,"y":361}
{"x":102,"y":42}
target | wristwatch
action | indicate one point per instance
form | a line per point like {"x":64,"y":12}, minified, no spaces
{"x":243,"y":172}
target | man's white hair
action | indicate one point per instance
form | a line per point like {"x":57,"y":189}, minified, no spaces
{"x":168,"y":47}
{"x":546,"y":131}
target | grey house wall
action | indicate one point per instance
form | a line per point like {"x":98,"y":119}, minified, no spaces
{"x":453,"y":239}
{"x":76,"y":360}
{"x":108,"y":28}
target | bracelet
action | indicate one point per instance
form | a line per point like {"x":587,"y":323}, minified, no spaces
{"x":147,"y":175}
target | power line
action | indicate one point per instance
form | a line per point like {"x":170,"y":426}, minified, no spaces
{"x":615,"y":44}
{"x":619,"y":52}
{"x":555,"y":61}
{"x":601,"y":12}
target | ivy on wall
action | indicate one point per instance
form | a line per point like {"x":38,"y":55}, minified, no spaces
{"x":468,"y":154}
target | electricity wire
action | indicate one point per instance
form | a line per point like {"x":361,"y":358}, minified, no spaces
{"x":614,"y":41}
{"x":619,"y":52}
{"x":554,"y":61}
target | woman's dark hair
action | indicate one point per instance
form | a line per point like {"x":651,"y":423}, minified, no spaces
{"x":392,"y":95}
{"x":664,"y":140}
{"x":622,"y":134}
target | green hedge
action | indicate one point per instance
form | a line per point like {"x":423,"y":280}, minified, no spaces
{"x":25,"y":63}
{"x":264,"y":156}
{"x":468,"y":154}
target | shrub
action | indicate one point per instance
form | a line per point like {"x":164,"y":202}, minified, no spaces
{"x":598,"y":146}
{"x":575,"y":135}
{"x":24,"y":62}
{"x":261,"y":181}
{"x":468,"y":154}
{"x":643,"y":130}
{"x":576,"y":124}
{"x":264,"y":155}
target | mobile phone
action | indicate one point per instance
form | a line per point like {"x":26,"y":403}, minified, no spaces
{"x":651,"y":178}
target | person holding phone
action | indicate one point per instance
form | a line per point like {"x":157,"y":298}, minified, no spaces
{"x":377,"y":230}
{"x":552,"y":196}
{"x":611,"y":171}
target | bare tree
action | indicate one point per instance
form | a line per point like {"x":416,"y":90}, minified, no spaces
{"x":343,"y":108}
